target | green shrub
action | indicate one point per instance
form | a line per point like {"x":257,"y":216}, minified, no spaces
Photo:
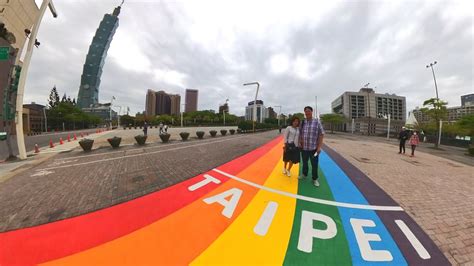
{"x":184,"y":135}
{"x":86,"y":144}
{"x":165,"y":137}
{"x":141,"y":139}
{"x":114,"y":142}
{"x":200,"y":134}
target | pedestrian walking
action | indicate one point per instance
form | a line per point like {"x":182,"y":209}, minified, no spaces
{"x":145,"y":128}
{"x":161,"y":128}
{"x":414,"y":141}
{"x":403,"y":136}
{"x":291,"y":152}
{"x":311,"y":141}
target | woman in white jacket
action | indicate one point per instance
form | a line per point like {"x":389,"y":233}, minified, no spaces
{"x":291,"y":153}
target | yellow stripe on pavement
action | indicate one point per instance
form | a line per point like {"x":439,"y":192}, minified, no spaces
{"x":261,"y":233}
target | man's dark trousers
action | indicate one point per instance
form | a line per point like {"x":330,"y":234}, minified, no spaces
{"x":402,"y":145}
{"x":309,"y":155}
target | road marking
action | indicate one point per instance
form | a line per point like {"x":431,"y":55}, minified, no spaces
{"x":420,"y":249}
{"x":261,"y":228}
{"x":315,"y":200}
{"x":134,"y":155}
{"x":42,"y":173}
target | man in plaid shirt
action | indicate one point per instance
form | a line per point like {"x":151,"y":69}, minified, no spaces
{"x":311,"y":140}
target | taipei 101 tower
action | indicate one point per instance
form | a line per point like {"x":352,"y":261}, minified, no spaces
{"x":90,"y":79}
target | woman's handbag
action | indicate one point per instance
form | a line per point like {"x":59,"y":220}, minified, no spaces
{"x":291,"y":147}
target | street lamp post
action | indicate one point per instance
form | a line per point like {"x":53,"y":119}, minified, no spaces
{"x":279,"y":114}
{"x":118,"y":116}
{"x":183,"y":104}
{"x":110,"y":111}
{"x":45,"y":120}
{"x":434,"y":77}
{"x":223,"y":111}
{"x":437,"y":98}
{"x":254,"y":104}
{"x":21,"y":83}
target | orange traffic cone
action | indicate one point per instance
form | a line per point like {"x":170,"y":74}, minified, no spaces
{"x":68,"y":137}
{"x":61,"y":141}
{"x":51,"y":144}
{"x":75,"y":138}
{"x":37,"y":149}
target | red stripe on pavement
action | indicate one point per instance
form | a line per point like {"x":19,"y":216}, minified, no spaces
{"x":62,"y":238}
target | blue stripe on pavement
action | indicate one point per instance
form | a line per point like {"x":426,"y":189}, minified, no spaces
{"x":344,"y":190}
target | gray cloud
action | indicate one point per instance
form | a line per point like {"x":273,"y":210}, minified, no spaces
{"x":159,"y":46}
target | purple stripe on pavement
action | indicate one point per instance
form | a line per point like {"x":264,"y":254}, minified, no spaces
{"x":376,"y":196}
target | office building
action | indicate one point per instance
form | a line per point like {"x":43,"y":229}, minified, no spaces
{"x":224,"y":108}
{"x":191,"y":100}
{"x":262,"y":111}
{"x":467,"y":100}
{"x":161,"y":103}
{"x":88,"y":96}
{"x":34,"y":118}
{"x":370,"y":111}
{"x":271,"y":113}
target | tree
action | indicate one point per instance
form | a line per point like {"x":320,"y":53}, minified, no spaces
{"x":53,"y":99}
{"x":436,"y":110}
{"x":332,"y":119}
{"x":466,"y":125}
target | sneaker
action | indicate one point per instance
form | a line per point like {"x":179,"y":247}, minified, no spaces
{"x":316,"y":183}
{"x":284,"y":171}
{"x":301,"y":176}
{"x":288,"y":173}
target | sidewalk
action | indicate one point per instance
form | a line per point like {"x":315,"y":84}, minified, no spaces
{"x":449,"y":152}
{"x":435,"y":191}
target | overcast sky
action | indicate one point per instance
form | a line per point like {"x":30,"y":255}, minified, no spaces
{"x":296,"y":50}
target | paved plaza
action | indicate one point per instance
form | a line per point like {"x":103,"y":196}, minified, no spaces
{"x":122,"y":206}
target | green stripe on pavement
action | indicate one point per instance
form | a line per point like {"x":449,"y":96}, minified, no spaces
{"x":334,"y":251}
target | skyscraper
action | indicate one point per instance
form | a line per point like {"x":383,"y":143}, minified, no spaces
{"x":191,"y":100}
{"x":90,"y":79}
{"x":160,"y":103}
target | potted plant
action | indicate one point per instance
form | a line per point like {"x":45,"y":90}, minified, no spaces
{"x":114,"y":142}
{"x":165,"y":137}
{"x":223,"y":132}
{"x":239,"y":131}
{"x":141,"y":139}
{"x":86,"y":144}
{"x":232,"y":131}
{"x":213,"y":133}
{"x":184,"y":135}
{"x":200,"y":134}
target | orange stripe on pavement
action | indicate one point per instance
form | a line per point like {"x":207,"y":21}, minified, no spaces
{"x":180,"y":237}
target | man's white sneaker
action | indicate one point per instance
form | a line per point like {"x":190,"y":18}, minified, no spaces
{"x":284,"y":171}
{"x":288,"y":173}
{"x":316,"y":183}
{"x":301,"y":177}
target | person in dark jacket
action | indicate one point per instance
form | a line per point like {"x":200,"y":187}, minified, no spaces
{"x":403,"y":136}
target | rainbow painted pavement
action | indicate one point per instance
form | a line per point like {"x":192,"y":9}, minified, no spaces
{"x":243,"y":212}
